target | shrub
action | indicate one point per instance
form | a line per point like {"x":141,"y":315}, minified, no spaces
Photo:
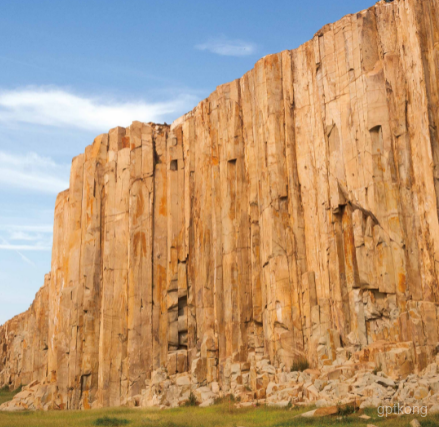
{"x":230,"y":398}
{"x":192,"y":401}
{"x":111,"y":422}
{"x":7,"y":389}
{"x":300,"y":365}
{"x":7,"y":394}
{"x":345,"y":410}
{"x":377,"y":369}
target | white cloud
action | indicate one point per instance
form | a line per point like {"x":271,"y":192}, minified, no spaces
{"x":227,"y":47}
{"x":25,"y":247}
{"x":21,"y":235}
{"x":33,"y":172}
{"x":26,"y":241}
{"x":33,"y":228}
{"x":57,"y":107}
{"x":26,"y":259}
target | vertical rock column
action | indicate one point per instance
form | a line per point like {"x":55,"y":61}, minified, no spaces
{"x":140,"y":285}
{"x":91,"y":272}
{"x":66,"y":290}
{"x":177,"y":286}
{"x":160,"y":250}
{"x":204,"y":269}
{"x":115,"y":229}
{"x":418,"y":134}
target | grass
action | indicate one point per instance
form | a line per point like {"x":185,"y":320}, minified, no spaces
{"x":222,"y":415}
{"x":192,"y":401}
{"x":344,"y":411}
{"x":229,"y":400}
{"x":111,"y":422}
{"x":6,"y":395}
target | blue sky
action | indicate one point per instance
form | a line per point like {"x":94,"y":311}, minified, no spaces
{"x":70,"y":70}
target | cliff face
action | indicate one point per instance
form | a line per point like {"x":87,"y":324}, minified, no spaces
{"x":293,"y":212}
{"x":24,"y":343}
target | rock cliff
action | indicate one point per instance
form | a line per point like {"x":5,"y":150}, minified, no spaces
{"x":292,"y":214}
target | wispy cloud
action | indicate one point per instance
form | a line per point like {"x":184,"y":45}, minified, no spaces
{"x":50,"y":106}
{"x":33,"y":172}
{"x":31,"y":228}
{"x":228,"y":47}
{"x":24,"y":247}
{"x":26,"y":259}
{"x":36,"y":238}
{"x":21,"y":235}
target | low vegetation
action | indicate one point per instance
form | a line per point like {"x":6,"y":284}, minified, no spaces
{"x":111,"y":422}
{"x":377,"y":369}
{"x":224,"y":414}
{"x":6,"y":395}
{"x":345,"y":410}
{"x":300,"y":365}
{"x":192,"y":401}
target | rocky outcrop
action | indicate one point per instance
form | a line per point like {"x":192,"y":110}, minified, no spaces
{"x":24,"y":343}
{"x":292,"y":214}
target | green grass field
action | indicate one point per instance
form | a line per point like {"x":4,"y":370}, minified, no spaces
{"x":218,"y":415}
{"x":6,"y":395}
{"x":224,"y":414}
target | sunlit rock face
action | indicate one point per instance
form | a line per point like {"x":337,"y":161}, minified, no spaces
{"x":293,"y":213}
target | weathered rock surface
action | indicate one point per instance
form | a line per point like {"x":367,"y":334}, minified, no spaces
{"x":24,"y":343}
{"x":292,"y":214}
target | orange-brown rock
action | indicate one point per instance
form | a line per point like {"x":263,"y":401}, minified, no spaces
{"x":24,"y":343}
{"x":292,"y":213}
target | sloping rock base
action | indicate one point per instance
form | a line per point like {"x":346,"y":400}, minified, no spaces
{"x":347,"y":383}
